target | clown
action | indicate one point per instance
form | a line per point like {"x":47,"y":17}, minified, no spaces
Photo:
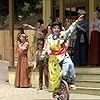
{"x":60,"y":64}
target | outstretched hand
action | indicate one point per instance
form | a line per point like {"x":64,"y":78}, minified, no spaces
{"x":25,"y":25}
{"x":80,"y":18}
{"x":34,"y":65}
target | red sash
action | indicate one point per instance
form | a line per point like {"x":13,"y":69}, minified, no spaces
{"x":61,"y":51}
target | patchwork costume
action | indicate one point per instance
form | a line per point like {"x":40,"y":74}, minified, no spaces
{"x":60,"y":64}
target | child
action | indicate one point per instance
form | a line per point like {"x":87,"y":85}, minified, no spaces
{"x":42,"y":65}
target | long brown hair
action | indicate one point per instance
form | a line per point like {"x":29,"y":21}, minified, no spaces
{"x":21,"y":29}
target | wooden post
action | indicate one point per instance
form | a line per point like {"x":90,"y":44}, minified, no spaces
{"x":47,"y":10}
{"x":61,"y":10}
{"x":91,"y":14}
{"x":54,"y":9}
{"x":11,"y":32}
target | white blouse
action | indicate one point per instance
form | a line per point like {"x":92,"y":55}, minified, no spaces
{"x":96,"y":25}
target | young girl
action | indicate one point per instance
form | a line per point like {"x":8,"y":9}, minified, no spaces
{"x":22,"y":75}
{"x":60,"y":64}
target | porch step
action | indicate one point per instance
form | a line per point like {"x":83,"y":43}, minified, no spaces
{"x":87,"y":77}
{"x":87,"y":90}
{"x":88,"y":80}
{"x":88,"y":70}
{"x":88,"y":83}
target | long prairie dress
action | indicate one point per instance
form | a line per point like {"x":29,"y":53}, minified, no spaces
{"x":81,"y":45}
{"x":22,"y":78}
{"x":94,"y":47}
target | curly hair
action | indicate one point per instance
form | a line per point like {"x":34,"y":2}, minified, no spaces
{"x":40,"y":21}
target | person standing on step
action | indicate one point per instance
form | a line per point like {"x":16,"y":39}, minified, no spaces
{"x":81,"y":45}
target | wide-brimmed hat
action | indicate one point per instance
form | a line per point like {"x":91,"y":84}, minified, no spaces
{"x":56,"y":23}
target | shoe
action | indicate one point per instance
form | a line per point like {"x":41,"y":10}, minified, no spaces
{"x":72,"y":87}
{"x":55,"y":95}
{"x":46,"y":88}
{"x":40,"y":88}
{"x":49,"y":90}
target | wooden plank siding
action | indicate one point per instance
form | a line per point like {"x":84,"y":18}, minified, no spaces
{"x":5,"y":42}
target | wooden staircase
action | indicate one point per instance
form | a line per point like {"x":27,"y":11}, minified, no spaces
{"x":88,"y":80}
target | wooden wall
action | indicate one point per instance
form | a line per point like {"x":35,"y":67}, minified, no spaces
{"x":4,"y":44}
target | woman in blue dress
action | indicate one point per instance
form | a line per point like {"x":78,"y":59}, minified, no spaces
{"x":81,"y":44}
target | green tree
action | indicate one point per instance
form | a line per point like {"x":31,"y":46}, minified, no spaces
{"x":22,"y":8}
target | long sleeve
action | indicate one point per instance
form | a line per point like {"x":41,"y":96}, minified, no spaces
{"x":67,"y":33}
{"x":25,"y":46}
{"x":83,"y":26}
{"x":96,"y":25}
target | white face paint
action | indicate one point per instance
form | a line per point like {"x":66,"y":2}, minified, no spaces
{"x":56,"y":29}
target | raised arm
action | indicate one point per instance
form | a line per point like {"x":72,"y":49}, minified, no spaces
{"x":71,"y":28}
{"x":30,"y":26}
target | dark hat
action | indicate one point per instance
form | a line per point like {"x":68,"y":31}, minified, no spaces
{"x":81,"y":12}
{"x":56,"y":23}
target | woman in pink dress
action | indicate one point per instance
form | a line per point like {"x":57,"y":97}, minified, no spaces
{"x":22,"y":78}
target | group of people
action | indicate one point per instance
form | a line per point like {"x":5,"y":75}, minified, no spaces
{"x":22,"y":78}
{"x":52,"y":56}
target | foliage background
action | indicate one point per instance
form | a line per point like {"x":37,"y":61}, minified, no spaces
{"x":25,"y":11}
